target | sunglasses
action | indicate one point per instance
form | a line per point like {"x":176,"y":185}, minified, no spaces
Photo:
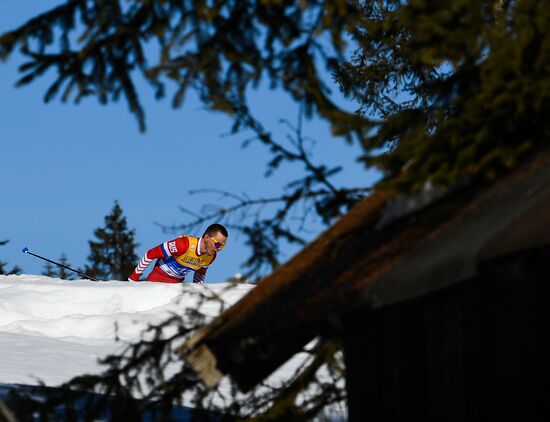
{"x":217,"y":244}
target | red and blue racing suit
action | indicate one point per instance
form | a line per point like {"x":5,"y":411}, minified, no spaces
{"x":175,"y":259}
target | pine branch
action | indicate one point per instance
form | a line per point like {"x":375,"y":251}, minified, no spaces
{"x":221,"y":53}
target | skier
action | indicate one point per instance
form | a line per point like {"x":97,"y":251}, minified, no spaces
{"x":177,"y":257}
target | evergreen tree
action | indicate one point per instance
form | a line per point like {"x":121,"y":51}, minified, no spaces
{"x":3,"y":270}
{"x":49,"y":270}
{"x":456,"y":92}
{"x":112,"y":255}
{"x":59,"y":272}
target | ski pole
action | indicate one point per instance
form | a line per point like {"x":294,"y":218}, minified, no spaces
{"x":26,"y":250}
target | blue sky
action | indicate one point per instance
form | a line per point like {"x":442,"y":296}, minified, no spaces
{"x":64,"y":165}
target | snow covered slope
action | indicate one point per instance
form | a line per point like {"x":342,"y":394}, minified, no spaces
{"x":52,"y":329}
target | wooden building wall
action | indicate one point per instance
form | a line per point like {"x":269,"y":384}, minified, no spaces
{"x":475,"y":351}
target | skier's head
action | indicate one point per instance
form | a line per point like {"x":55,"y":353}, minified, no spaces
{"x":215,"y":238}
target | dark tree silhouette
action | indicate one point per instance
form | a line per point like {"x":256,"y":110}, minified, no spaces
{"x":51,"y":270}
{"x":459,"y":92}
{"x":3,"y":270}
{"x":112,"y":255}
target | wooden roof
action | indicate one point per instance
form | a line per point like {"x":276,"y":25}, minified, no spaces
{"x":369,"y":260}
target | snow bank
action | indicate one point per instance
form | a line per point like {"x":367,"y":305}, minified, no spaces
{"x":52,"y":329}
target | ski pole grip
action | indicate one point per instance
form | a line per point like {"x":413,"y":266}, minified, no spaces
{"x":25,"y":250}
